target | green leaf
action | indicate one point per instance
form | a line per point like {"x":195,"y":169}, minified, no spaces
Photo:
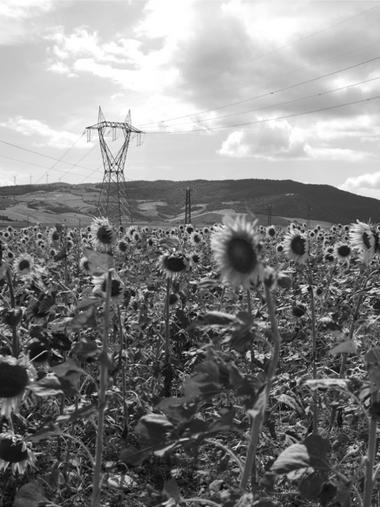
{"x":327,"y":383}
{"x":133,"y":456}
{"x":373,"y":365}
{"x":29,"y":495}
{"x":346,"y":347}
{"x":99,"y":263}
{"x":44,"y":432}
{"x":311,"y":453}
{"x":154,"y":428}
{"x":293,"y":458}
{"x":291,"y":402}
{"x":218,"y":319}
{"x":47,"y":386}
{"x":171,"y":490}
{"x":311,"y":484}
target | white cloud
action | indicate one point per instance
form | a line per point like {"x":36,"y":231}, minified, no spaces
{"x":24,"y":8}
{"x":368,"y":181}
{"x":43,"y":134}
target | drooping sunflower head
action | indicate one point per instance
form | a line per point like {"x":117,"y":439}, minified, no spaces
{"x":102,"y":233}
{"x":296,"y":246}
{"x":173,"y":264}
{"x":236,"y":249}
{"x":15,"y":375}
{"x":15,"y":453}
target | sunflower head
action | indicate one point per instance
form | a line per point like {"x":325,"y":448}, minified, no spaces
{"x":15,"y":375}
{"x":236,"y":250}
{"x":23,"y":265}
{"x":362,"y":238}
{"x":15,"y":453}
{"x":102,"y":233}
{"x":296,"y":246}
{"x":173,"y":264}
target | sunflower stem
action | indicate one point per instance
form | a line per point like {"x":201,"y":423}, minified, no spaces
{"x":123,"y":376}
{"x":371,"y":454}
{"x":249,"y":304}
{"x":15,"y":337}
{"x":103,"y":374}
{"x":167,"y":370}
{"x":258,"y":418}
{"x":314,"y":353}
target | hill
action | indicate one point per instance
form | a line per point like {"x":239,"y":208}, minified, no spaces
{"x":159,"y":202}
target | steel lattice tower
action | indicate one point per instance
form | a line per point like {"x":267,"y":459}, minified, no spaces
{"x":188,"y":206}
{"x":113,"y":201}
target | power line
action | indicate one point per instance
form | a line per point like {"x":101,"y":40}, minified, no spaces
{"x":265,"y":120}
{"x":289,"y":87}
{"x":230,"y":104}
{"x":286,"y":103}
{"x":19,"y":147}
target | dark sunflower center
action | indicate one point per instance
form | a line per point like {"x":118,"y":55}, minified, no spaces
{"x":241,"y":255}
{"x":104,"y":235}
{"x":344,"y":250}
{"x":55,"y":236}
{"x":24,"y":264}
{"x":13,"y":380}
{"x":366,"y":240}
{"x":175,"y":264}
{"x":298,"y":245}
{"x":115,"y":288}
{"x":12,"y":452}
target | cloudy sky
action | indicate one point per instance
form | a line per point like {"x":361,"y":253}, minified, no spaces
{"x":222,"y":89}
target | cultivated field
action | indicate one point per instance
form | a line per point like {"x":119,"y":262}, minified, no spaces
{"x":232,"y":365}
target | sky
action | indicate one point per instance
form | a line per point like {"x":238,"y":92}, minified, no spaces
{"x":222,"y":89}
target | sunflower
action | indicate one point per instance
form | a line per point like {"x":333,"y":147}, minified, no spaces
{"x":236,"y":249}
{"x":296,"y":246}
{"x":271,"y":231}
{"x":102,"y":233}
{"x":15,"y":453}
{"x":343,"y":251}
{"x":362,"y":238}
{"x":173,"y":264}
{"x":14,"y":377}
{"x":196,"y":238}
{"x":122,"y":246}
{"x":23,"y":265}
{"x":100,"y":288}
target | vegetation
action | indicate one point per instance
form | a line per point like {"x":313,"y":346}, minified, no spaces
{"x":232,"y":366}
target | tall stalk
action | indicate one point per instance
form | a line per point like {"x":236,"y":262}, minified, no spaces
{"x":103,"y":377}
{"x":371,"y":454}
{"x":168,"y":368}
{"x":314,"y":356}
{"x":258,"y":418}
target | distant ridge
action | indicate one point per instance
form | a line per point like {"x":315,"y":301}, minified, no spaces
{"x":162,"y":201}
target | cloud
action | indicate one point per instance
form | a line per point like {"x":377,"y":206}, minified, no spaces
{"x":43,"y":134}
{"x":24,"y":8}
{"x":367,"y":184}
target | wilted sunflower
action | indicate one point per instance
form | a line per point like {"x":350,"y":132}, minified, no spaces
{"x":102,"y":233}
{"x":15,"y":453}
{"x":173,"y":264}
{"x":296,"y":246}
{"x":362,"y":238}
{"x":23,"y":265}
{"x":14,"y":377}
{"x":236,"y":249}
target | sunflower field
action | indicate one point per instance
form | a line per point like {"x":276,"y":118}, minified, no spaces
{"x":235,"y":365}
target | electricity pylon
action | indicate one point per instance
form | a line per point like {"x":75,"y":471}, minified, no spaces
{"x":113,"y":202}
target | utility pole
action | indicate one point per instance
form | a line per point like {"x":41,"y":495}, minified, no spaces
{"x":270,"y":214}
{"x":109,"y":204}
{"x":188,"y":206}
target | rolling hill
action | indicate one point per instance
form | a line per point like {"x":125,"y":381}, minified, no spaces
{"x":162,"y":202}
